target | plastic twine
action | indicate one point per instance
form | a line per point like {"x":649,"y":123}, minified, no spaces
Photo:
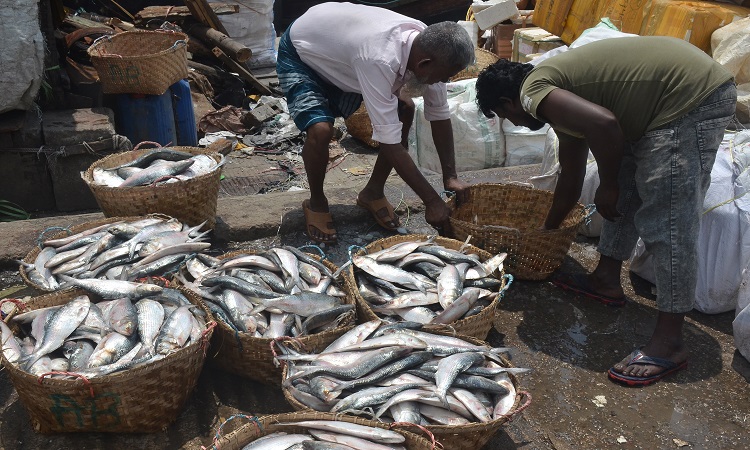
{"x":589,"y":211}
{"x":352,"y":247}
{"x":435,"y":443}
{"x":70,"y":374}
{"x":253,"y":419}
{"x":204,"y":340}
{"x":320,"y":250}
{"x":508,"y":281}
{"x":40,"y":239}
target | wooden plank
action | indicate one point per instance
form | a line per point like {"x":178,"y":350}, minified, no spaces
{"x":215,"y":38}
{"x":175,"y":13}
{"x":245,"y":74}
{"x":203,"y":13}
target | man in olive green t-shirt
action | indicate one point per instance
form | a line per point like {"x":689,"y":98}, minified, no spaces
{"x":653,"y":111}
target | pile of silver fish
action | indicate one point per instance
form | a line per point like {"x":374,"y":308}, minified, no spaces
{"x":95,"y":339}
{"x":396,"y":372}
{"x":424,"y":282}
{"x":125,"y":250}
{"x":162,"y":165}
{"x":329,"y":435}
{"x":279,"y":292}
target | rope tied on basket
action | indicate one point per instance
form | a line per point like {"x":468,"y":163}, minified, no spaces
{"x":40,"y":239}
{"x":352,"y":247}
{"x":152,"y":280}
{"x":435,"y":443}
{"x":283,"y":339}
{"x":20,"y":304}
{"x":323,"y":255}
{"x":158,"y":145}
{"x":589,"y":211}
{"x":526,"y":404}
{"x":204,"y":340}
{"x":253,"y":419}
{"x":70,"y":374}
{"x":508,"y":281}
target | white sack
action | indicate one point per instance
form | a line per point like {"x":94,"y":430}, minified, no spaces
{"x":523,"y":145}
{"x":741,"y":331}
{"x":724,"y":239}
{"x":478,"y":141}
{"x":730,"y":46}
{"x":253,"y":27}
{"x":22,"y":58}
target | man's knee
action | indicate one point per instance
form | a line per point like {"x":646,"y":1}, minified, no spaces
{"x":320,"y":134}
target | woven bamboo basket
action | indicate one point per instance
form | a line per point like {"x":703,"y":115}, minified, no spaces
{"x":483,"y":58}
{"x":31,"y":256}
{"x":478,"y":325}
{"x":461,"y":437}
{"x":251,"y":357}
{"x":508,"y":218}
{"x":140,"y":400}
{"x":140,"y":61}
{"x":265,"y":425}
{"x":191,"y":201}
{"x":359,"y":126}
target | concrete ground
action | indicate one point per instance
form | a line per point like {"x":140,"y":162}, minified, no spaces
{"x":568,"y":341}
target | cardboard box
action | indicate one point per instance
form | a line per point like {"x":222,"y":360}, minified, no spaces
{"x":533,"y":41}
{"x":498,"y":12}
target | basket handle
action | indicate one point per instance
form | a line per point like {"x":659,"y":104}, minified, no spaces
{"x":527,"y":396}
{"x":85,"y":380}
{"x":508,"y":281}
{"x":158,"y":145}
{"x":435,"y":443}
{"x":253,"y":419}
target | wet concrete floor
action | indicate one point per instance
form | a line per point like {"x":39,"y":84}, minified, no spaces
{"x":568,"y":341}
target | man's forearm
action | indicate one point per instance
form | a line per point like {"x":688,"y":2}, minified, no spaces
{"x":442,"y":136}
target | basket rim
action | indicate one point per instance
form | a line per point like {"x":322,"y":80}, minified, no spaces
{"x":578,"y":209}
{"x":66,"y":295}
{"x":302,"y":340}
{"x":88,"y":175}
{"x":94,"y":50}
{"x":484,"y":255}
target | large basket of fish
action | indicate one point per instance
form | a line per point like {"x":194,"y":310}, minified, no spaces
{"x":259,"y":298}
{"x":438,"y":282}
{"x":457,"y":387}
{"x":509,"y":218}
{"x":124,"y":360}
{"x":182,"y":182}
{"x":124,"y":248}
{"x":321,"y":430}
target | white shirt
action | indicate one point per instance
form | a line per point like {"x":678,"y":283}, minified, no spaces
{"x":365,"y":49}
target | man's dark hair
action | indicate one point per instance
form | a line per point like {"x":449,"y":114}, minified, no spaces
{"x":501,"y":79}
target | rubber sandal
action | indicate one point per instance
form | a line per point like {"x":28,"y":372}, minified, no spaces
{"x":376,"y":205}
{"x":319,"y":221}
{"x":639,"y":359}
{"x":579,"y":284}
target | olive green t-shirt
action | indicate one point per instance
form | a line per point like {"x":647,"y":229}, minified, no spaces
{"x":646,"y":81}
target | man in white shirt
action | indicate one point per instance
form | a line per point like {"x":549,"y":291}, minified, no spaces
{"x":338,"y":54}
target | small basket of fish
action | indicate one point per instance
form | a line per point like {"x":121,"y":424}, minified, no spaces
{"x":438,"y":282}
{"x":509,"y":218}
{"x":457,"y":387}
{"x":124,"y":360}
{"x":124,"y":248}
{"x":182,"y":182}
{"x":321,"y":431}
{"x":262,"y":297}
